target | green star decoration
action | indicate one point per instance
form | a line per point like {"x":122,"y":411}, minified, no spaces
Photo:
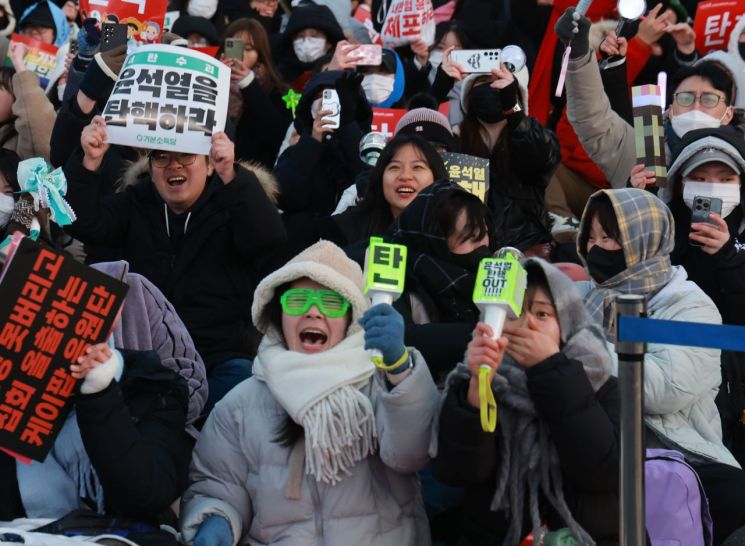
{"x":292,"y":99}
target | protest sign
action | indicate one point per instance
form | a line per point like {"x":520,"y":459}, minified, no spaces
{"x":408,"y":20}
{"x":52,"y":308}
{"x":145,"y":18}
{"x":649,"y":133}
{"x":364,"y":16}
{"x":40,"y":58}
{"x":714,"y":22}
{"x":385,"y":120}
{"x":168,"y":98}
{"x":470,"y":172}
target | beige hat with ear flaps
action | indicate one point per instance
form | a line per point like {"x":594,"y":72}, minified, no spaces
{"x":325,"y":263}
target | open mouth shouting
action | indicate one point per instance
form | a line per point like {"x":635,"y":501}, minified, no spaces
{"x":175,"y":181}
{"x":313,"y":339}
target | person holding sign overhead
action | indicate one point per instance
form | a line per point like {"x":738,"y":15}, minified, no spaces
{"x":197,"y":227}
{"x":319,"y":446}
{"x":554,"y":454}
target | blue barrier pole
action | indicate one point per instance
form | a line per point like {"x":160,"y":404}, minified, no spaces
{"x":673,"y":332}
{"x":631,"y":392}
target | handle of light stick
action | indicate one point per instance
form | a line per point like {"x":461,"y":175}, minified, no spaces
{"x":494,"y":316}
{"x":376,"y":298}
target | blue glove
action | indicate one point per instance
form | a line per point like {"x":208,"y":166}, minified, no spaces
{"x":384,"y":330}
{"x":214,"y":531}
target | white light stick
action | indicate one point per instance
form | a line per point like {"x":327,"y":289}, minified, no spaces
{"x":499,"y":291}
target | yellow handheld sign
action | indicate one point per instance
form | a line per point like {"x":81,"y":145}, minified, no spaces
{"x":499,"y":289}
{"x":385,"y":273}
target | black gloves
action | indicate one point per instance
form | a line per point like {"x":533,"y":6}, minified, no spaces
{"x":574,"y":28}
{"x":349,"y":88}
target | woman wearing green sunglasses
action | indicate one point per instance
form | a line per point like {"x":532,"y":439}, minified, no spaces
{"x":318,"y":447}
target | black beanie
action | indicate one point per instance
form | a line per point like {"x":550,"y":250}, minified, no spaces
{"x":41,"y":16}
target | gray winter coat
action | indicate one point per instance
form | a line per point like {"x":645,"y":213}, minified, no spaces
{"x":239,"y":472}
{"x":605,"y":136}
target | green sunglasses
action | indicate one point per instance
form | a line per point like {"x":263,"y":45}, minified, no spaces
{"x":297,"y":301}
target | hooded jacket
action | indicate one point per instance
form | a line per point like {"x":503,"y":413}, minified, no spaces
{"x":721,"y":275}
{"x":207,"y":267}
{"x":58,"y":20}
{"x":399,"y":82}
{"x":241,"y":472}
{"x":149,"y":322}
{"x":680,"y":383}
{"x":312,"y":175}
{"x":574,"y":399}
{"x":302,"y":17}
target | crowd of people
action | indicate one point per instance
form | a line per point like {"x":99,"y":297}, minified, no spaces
{"x":237,"y":400}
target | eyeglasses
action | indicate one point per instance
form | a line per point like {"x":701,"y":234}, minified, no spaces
{"x":163,"y":159}
{"x":297,"y":301}
{"x":707,"y":100}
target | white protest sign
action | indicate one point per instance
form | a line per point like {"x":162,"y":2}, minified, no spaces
{"x":168,"y":98}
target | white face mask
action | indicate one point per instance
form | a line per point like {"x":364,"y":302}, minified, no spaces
{"x":728,"y":193}
{"x":694,"y":119}
{"x":435,"y":59}
{"x":6,"y":208}
{"x":377,"y":87}
{"x":309,"y":49}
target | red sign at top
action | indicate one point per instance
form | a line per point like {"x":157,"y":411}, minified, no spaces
{"x":144,"y":18}
{"x":714,"y":22}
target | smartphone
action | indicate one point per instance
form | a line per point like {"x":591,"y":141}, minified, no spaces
{"x":369,"y":55}
{"x":234,"y":48}
{"x":479,"y":61}
{"x":330,"y":101}
{"x":113,"y":35}
{"x":702,"y":206}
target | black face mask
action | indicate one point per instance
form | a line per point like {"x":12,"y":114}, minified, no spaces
{"x":605,"y":264}
{"x":471,"y":261}
{"x":486,"y":103}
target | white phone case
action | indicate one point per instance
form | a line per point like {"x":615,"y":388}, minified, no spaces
{"x":480,"y":61}
{"x":330,"y":101}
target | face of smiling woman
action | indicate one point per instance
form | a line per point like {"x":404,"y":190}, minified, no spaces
{"x":179,"y":185}
{"x":404,"y":177}
{"x":312,"y":331}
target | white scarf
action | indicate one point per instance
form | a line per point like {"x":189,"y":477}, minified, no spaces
{"x":321,"y":392}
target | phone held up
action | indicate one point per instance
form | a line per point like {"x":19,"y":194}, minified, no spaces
{"x":702,"y":206}
{"x":330,"y":102}
{"x":368,"y":55}
{"x":234,"y":48}
{"x":113,"y":35}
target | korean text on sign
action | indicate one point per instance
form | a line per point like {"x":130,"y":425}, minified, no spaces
{"x":168,"y":98}
{"x":714,"y":22}
{"x":51,"y":310}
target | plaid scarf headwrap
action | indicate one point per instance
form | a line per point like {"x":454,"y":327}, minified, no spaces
{"x":647,"y":233}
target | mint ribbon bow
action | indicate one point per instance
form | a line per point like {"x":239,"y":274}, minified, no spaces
{"x":47,"y":188}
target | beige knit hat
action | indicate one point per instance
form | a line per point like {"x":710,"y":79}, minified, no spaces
{"x":325,"y":263}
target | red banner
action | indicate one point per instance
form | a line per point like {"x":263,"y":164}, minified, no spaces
{"x":714,"y":22}
{"x":144,"y":18}
{"x":52,"y":308}
{"x":385,"y":120}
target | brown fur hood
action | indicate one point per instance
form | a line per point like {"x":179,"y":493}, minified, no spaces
{"x":136,"y":169}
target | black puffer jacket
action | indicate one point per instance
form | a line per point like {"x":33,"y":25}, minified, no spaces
{"x":207,"y":267}
{"x":521,"y":165}
{"x":312,"y":175}
{"x":584,"y":427}
{"x":133,"y":433}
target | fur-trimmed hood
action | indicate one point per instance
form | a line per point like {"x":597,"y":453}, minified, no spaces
{"x":11,"y":26}
{"x":138,"y":169}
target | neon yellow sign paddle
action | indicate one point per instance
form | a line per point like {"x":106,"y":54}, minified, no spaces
{"x":385,"y":273}
{"x":499,"y":291}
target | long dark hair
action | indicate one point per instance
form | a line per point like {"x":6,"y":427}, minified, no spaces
{"x":373,"y":202}
{"x":456,"y":28}
{"x":449,"y":204}
{"x":271,"y":80}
